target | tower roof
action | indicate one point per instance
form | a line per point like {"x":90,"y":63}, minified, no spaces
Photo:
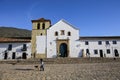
{"x":41,"y":20}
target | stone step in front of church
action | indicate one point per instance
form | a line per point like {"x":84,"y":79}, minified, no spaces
{"x":62,"y":61}
{"x":80,"y":60}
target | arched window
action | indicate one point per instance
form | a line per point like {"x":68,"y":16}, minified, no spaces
{"x":43,"y":26}
{"x":69,"y":33}
{"x":56,"y":33}
{"x":38,"y":26}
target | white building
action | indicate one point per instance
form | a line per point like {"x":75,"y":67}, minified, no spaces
{"x":11,"y":48}
{"x":63,"y":40}
{"x":106,"y":46}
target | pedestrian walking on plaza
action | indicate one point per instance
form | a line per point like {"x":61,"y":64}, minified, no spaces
{"x":41,"y":65}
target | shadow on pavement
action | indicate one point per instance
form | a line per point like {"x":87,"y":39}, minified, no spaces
{"x":24,"y":69}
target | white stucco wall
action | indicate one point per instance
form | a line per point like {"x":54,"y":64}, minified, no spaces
{"x":16,"y":47}
{"x":41,"y":44}
{"x":73,"y":39}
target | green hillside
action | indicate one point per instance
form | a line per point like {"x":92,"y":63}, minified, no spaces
{"x":14,"y":32}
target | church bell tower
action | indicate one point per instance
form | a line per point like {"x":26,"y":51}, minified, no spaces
{"x":39,"y":28}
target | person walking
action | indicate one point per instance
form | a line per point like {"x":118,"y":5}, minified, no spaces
{"x":41,"y":65}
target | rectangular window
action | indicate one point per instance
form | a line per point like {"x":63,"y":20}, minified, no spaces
{"x":86,"y":43}
{"x":95,"y":51}
{"x":24,"y":47}
{"x":108,"y":51}
{"x":10,"y":47}
{"x":99,"y":42}
{"x":114,"y":42}
{"x":107,"y":43}
{"x":62,"y":32}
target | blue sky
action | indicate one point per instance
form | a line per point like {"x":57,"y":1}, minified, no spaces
{"x":92,"y":17}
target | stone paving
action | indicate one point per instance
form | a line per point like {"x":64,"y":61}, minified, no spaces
{"x":83,"y":71}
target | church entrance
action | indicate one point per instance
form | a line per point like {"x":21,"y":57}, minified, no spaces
{"x":62,"y":47}
{"x":63,"y":50}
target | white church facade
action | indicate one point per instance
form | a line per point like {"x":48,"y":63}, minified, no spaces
{"x":63,"y":40}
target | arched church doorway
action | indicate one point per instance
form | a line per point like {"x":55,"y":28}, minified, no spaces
{"x":5,"y":55}
{"x":116,"y":53}
{"x":24,"y":56}
{"x":63,"y":50}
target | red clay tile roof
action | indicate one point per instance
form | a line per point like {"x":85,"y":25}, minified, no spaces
{"x":13,"y":40}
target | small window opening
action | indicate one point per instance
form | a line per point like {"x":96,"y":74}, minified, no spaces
{"x":41,"y":34}
{"x":56,"y":33}
{"x":10,"y":47}
{"x":38,"y":26}
{"x":69,"y":33}
{"x":62,"y":32}
{"x":86,"y":42}
{"x":43,"y":26}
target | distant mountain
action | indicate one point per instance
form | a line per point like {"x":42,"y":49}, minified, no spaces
{"x":14,"y":32}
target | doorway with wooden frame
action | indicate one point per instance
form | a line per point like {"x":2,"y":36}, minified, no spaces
{"x":62,"y":47}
